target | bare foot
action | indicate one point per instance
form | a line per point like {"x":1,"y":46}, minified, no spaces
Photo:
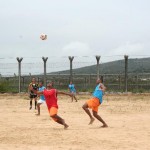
{"x":37,"y":114}
{"x":104,"y":126}
{"x":92,"y":120}
{"x":65,"y":126}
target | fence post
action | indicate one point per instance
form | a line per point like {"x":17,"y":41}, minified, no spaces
{"x":71,"y":60}
{"x":45,"y":60}
{"x":126,"y":72}
{"x":137,"y":79}
{"x":0,"y":76}
{"x":97,"y":59}
{"x":38,"y":79}
{"x":89,"y":80}
{"x":23,"y":81}
{"x":119,"y":78}
{"x":19,"y":72}
{"x":30,"y":76}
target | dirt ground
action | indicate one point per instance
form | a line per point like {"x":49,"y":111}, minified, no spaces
{"x":128,"y":117}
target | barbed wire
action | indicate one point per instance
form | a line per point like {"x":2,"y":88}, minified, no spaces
{"x":34,"y":65}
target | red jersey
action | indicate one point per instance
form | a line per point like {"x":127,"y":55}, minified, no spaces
{"x":51,"y":98}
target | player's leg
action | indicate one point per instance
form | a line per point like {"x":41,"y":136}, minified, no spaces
{"x":72,"y":98}
{"x":35,"y":99}
{"x":98,"y":117}
{"x":85,"y":107}
{"x":59,"y":120}
{"x":30,"y":102}
{"x":75,"y":97}
{"x":55,"y":117}
{"x":38,"y":105}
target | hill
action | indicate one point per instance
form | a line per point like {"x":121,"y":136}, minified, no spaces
{"x":138,"y":65}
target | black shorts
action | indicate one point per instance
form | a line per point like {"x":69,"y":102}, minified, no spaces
{"x":33,"y":96}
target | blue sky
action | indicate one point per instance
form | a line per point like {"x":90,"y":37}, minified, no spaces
{"x":74,"y":28}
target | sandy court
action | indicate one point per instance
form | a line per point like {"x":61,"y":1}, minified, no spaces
{"x":128,"y":117}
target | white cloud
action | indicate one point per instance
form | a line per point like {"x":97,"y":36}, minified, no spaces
{"x":76,"y":49}
{"x":128,"y":49}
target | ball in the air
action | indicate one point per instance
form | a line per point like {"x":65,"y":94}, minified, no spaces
{"x":43,"y":36}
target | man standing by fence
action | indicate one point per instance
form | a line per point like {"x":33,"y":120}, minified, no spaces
{"x":72,"y":90}
{"x":32,"y":94}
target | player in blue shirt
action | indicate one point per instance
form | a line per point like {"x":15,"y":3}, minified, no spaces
{"x":42,"y":98}
{"x":72,"y":90}
{"x":95,"y":102}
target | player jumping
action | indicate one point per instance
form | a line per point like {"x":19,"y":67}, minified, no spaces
{"x":50,"y":95}
{"x":72,"y":90}
{"x":94,"y":103}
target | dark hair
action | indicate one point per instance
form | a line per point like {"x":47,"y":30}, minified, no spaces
{"x":101,"y":78}
{"x":33,"y":78}
{"x":51,"y":82}
{"x":41,"y":82}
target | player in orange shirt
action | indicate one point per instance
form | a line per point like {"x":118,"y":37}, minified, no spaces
{"x":50,"y":95}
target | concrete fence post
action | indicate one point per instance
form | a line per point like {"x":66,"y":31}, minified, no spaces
{"x":19,"y":72}
{"x":71,"y":60}
{"x":126,"y":72}
{"x":45,"y":60}
{"x":98,"y":59}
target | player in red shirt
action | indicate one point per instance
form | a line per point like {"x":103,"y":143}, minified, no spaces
{"x":50,"y":95}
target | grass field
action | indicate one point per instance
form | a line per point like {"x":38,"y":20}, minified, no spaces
{"x":128,"y":117}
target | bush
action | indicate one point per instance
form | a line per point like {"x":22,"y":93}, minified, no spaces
{"x":6,"y":87}
{"x":2,"y":88}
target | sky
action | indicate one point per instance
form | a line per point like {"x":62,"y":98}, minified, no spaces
{"x":108,"y":28}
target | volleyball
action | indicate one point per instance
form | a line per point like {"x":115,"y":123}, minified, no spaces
{"x":43,"y":36}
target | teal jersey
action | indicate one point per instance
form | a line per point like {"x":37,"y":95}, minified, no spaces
{"x":72,"y":88}
{"x":98,"y":93}
{"x":42,"y":96}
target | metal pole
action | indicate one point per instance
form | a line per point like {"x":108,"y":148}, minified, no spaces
{"x":30,"y":76}
{"x":89,"y":80}
{"x":119,"y":82}
{"x":19,"y":72}
{"x":45,"y":60}
{"x":126,"y":72}
{"x":71,"y":60}
{"x":97,"y":59}
{"x":137,"y":79}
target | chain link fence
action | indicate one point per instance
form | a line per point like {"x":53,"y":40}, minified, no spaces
{"x":119,"y":73}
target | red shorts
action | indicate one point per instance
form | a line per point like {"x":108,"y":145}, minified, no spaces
{"x":93,"y":103}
